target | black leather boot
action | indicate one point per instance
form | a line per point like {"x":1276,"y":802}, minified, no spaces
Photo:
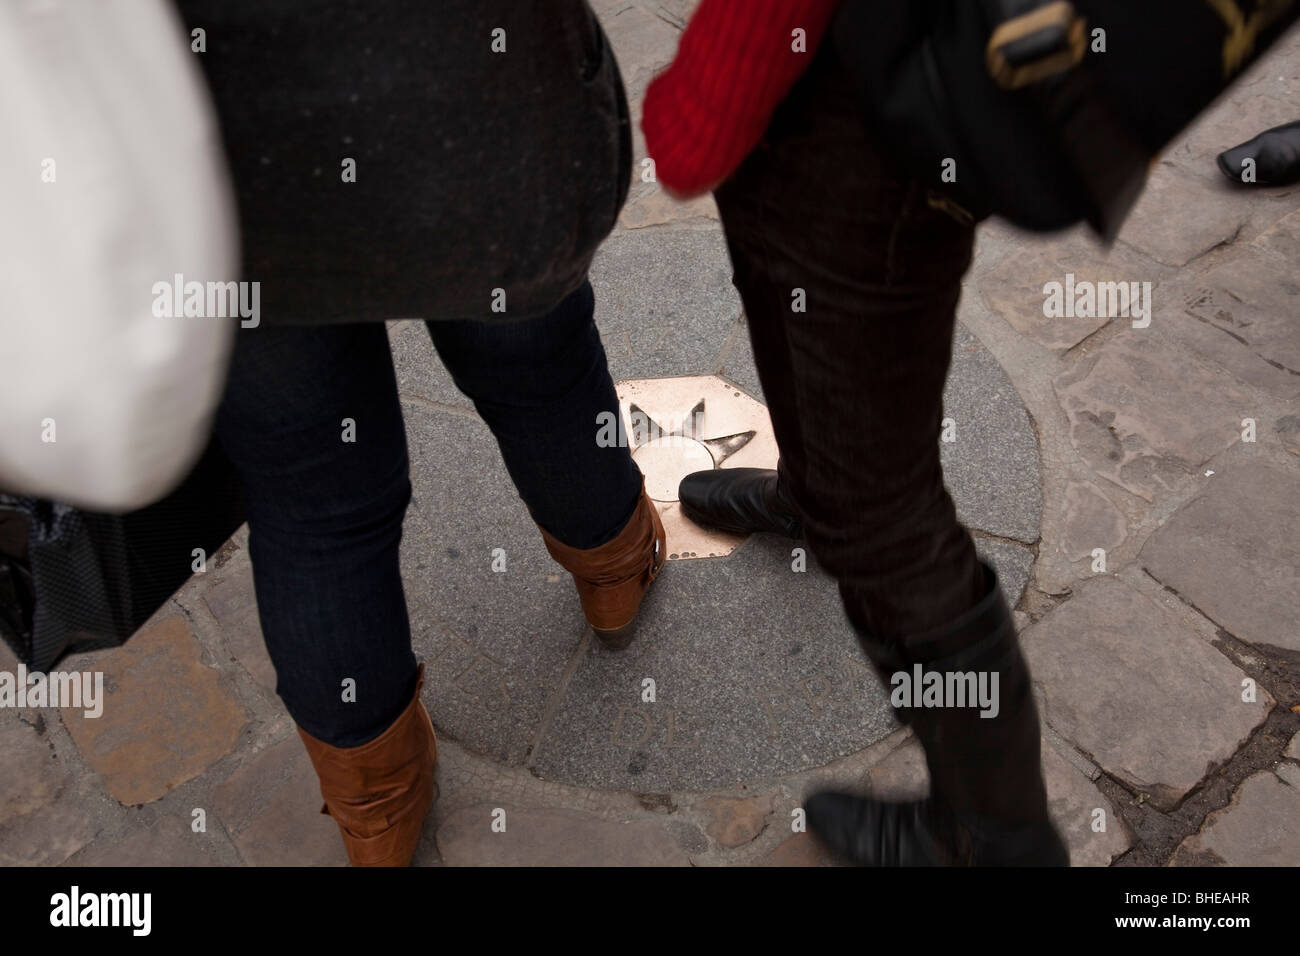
{"x":987,"y":803}
{"x":1276,"y":153}
{"x":739,"y":500}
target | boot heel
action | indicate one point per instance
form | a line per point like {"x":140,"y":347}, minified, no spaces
{"x":612,"y":579}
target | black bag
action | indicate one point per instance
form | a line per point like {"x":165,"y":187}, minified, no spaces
{"x":73,"y":581}
{"x":1046,"y":130}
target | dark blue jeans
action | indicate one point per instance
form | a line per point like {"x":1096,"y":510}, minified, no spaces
{"x":325,"y":515}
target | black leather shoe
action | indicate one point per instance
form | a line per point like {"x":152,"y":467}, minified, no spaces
{"x":869,"y":832}
{"x":1276,"y":153}
{"x":739,"y":500}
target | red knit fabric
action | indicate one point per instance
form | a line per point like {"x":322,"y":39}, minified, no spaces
{"x":734,"y":65}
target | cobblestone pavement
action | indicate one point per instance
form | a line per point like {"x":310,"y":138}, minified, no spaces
{"x":1138,"y":489}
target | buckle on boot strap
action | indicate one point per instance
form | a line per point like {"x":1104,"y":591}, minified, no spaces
{"x":1036,"y":45}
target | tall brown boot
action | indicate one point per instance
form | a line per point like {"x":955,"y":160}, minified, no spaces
{"x":614,"y":577}
{"x":380,"y":792}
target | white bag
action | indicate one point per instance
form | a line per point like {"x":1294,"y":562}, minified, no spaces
{"x":112,"y":180}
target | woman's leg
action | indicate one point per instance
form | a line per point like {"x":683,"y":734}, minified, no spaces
{"x":312,"y":422}
{"x":543,"y":387}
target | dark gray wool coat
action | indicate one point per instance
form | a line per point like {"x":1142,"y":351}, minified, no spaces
{"x":476,"y":169}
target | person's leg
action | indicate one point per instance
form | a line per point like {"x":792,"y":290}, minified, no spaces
{"x":312,"y":423}
{"x":850,"y":277}
{"x":543,"y":387}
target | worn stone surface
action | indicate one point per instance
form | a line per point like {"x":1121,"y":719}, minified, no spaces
{"x":169,"y":841}
{"x":648,"y":205}
{"x":1183,"y":215}
{"x":1127,"y":405}
{"x":31,"y":775}
{"x":167,"y":717}
{"x":234,"y":604}
{"x":1126,"y":682}
{"x":1260,"y":827}
{"x":47,"y":837}
{"x":1074,"y":802}
{"x":735,"y":821}
{"x":1287,"y":429}
{"x":1234,"y":553}
{"x":1089,"y":521}
{"x":1293,"y":748}
{"x":270,"y":807}
{"x":1242,"y":314}
{"x":802,"y":849}
{"x":1289,"y":772}
{"x":1015,"y":289}
{"x":553,"y":837}
{"x":1281,"y":241}
{"x":643,"y":42}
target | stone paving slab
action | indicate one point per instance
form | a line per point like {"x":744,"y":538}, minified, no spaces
{"x":1146,"y":697}
{"x":233,"y":603}
{"x":736,"y":820}
{"x":1288,"y":772}
{"x":1090,"y":520}
{"x":33,"y":774}
{"x":1260,"y":827}
{"x":530,"y":837}
{"x":170,"y":840}
{"x":1242,"y":314}
{"x":166,"y":715}
{"x":1234,"y":553}
{"x":1281,"y":241}
{"x":1128,"y":410}
{"x":48,"y":837}
{"x":1160,"y":226}
{"x":1015,"y":289}
{"x":270,"y":807}
{"x":800,"y":850}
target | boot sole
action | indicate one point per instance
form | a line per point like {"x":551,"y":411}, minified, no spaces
{"x":618,"y":638}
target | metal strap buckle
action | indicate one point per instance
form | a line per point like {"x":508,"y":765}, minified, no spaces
{"x":1036,"y":45}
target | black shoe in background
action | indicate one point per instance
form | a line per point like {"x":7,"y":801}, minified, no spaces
{"x":1276,"y":153}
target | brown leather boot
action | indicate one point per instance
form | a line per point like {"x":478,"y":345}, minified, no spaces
{"x":614,"y":577}
{"x":380,"y":792}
